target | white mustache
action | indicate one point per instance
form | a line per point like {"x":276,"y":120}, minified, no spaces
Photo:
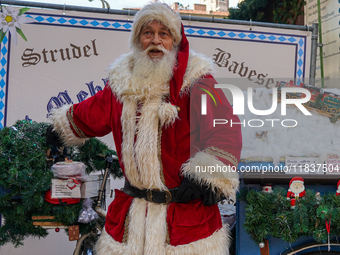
{"x":154,"y":47}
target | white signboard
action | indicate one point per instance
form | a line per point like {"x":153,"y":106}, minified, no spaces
{"x":69,"y":188}
{"x":65,"y":58}
{"x":304,"y":165}
{"x":330,"y":38}
{"x":333,"y":164}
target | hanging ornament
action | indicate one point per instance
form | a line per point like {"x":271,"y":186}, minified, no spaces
{"x":317,"y":197}
{"x":57,"y":230}
{"x":338,"y":188}
{"x":328,"y":228}
{"x":296,"y":190}
{"x":267,"y":189}
{"x":261,"y":245}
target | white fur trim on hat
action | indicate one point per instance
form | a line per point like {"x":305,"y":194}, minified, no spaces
{"x":156,"y":12}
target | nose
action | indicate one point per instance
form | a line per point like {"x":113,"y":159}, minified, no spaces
{"x":156,"y":39}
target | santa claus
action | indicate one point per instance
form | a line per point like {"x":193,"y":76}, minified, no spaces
{"x":152,"y":105}
{"x":296,"y":190}
{"x":72,"y":183}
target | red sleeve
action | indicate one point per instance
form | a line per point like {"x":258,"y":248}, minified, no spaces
{"x":219,"y":130}
{"x":92,"y":117}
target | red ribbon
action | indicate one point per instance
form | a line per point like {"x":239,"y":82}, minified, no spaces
{"x":328,"y":226}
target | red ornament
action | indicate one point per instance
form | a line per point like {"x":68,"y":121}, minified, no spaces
{"x":57,"y":230}
{"x":338,"y":188}
{"x":267,"y":188}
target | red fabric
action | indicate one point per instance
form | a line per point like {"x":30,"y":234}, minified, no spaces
{"x":117,"y":211}
{"x":191,"y":222}
{"x":187,"y":223}
{"x":227,"y":136}
{"x":182,"y":62}
{"x":296,"y":178}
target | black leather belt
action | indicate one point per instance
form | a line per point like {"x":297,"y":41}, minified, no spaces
{"x":155,"y":196}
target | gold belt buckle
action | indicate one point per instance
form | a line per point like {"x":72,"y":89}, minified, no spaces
{"x":168,"y":196}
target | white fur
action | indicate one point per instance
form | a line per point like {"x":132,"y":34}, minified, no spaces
{"x":106,"y":245}
{"x":62,"y":127}
{"x":156,"y":229}
{"x":146,"y":146}
{"x":227,"y":182}
{"x":156,"y":12}
{"x":198,"y":66}
{"x":136,"y":236}
{"x":216,"y":244}
{"x":167,"y":114}
{"x":128,"y":153}
{"x":120,"y":72}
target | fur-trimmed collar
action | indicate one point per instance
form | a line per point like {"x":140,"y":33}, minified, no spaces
{"x":120,"y":71}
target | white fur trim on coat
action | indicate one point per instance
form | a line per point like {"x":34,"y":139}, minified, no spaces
{"x":206,"y":169}
{"x":62,"y":127}
{"x":156,"y":12}
{"x":167,"y":114}
{"x":106,"y":245}
{"x":216,"y":244}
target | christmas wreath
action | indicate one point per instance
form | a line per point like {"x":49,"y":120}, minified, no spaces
{"x":271,"y":214}
{"x":25,"y":176}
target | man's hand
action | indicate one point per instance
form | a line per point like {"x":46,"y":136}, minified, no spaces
{"x":189,"y":190}
{"x":52,"y":137}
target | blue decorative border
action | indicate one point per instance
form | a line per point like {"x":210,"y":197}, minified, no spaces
{"x":299,"y":42}
{"x":4,"y":66}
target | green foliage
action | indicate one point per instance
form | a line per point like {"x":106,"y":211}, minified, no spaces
{"x":279,"y":11}
{"x":287,"y":12}
{"x":249,"y":10}
{"x":271,"y":214}
{"x":26,"y":176}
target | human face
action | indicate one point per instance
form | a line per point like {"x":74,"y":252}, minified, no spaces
{"x":153,"y":35}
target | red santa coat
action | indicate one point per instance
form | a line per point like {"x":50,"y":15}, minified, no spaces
{"x":293,"y":196}
{"x":156,"y":152}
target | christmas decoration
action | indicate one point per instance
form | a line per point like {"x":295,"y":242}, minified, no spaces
{"x":261,"y":245}
{"x":269,"y":214}
{"x":338,"y":188}
{"x":296,"y":190}
{"x":25,"y":177}
{"x":317,"y":197}
{"x":87,"y":214}
{"x":267,"y":188}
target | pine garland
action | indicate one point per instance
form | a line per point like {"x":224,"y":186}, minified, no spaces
{"x":25,"y":176}
{"x":270,"y":214}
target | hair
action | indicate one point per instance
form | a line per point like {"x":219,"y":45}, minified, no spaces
{"x":158,"y":12}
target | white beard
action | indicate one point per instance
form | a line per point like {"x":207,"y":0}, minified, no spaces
{"x":150,"y":76}
{"x":297,"y":191}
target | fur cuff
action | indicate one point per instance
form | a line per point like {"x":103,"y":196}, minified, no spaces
{"x":207,"y":169}
{"x":62,"y":127}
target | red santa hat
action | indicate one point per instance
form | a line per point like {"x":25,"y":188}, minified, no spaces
{"x":296,"y":179}
{"x":338,"y":184}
